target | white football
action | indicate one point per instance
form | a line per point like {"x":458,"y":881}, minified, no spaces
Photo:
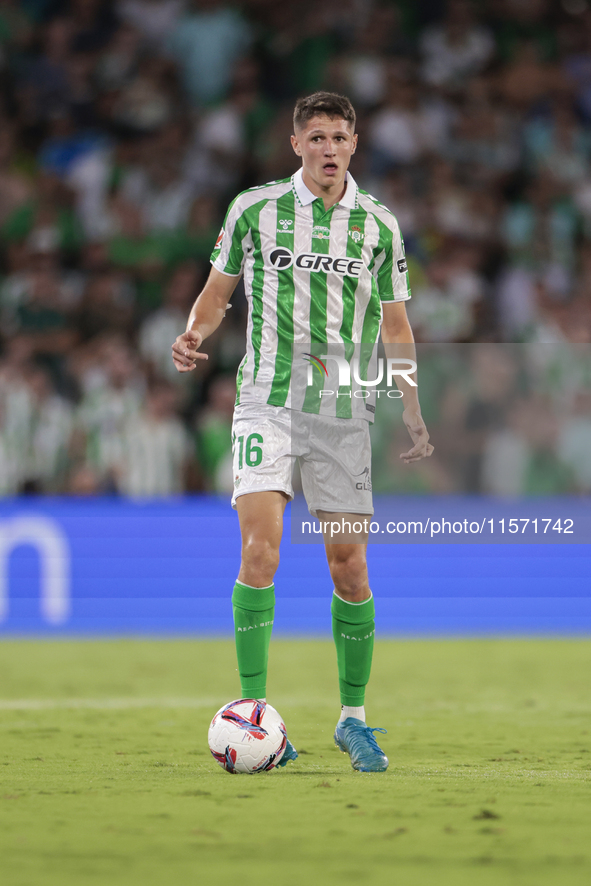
{"x":247,"y":736}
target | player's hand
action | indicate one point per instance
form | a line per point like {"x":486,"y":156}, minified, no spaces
{"x":419,"y":436}
{"x":185,"y":351}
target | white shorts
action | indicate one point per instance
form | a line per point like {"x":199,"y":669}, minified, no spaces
{"x":334,"y":456}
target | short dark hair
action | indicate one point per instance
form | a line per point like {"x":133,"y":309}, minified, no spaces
{"x":328,"y":103}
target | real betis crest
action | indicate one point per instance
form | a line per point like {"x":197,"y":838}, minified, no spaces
{"x":356,"y":234}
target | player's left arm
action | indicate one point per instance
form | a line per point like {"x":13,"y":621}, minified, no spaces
{"x":398,"y":340}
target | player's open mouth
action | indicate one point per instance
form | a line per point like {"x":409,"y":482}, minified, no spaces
{"x":330,"y":168}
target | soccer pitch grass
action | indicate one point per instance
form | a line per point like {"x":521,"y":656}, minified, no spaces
{"x":106,"y":777}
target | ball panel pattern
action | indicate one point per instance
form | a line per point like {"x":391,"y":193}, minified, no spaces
{"x":247,"y":736}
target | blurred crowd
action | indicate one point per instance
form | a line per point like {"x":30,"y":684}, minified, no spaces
{"x":126,"y":127}
{"x":506,"y":420}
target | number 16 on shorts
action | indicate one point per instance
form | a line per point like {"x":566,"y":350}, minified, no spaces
{"x":247,"y":454}
{"x":249,"y":450}
{"x":261,"y":450}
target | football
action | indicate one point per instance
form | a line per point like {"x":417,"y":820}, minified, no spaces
{"x":247,"y":736}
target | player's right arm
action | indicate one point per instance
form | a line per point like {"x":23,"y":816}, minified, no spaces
{"x":206,"y":315}
{"x":227,"y":258}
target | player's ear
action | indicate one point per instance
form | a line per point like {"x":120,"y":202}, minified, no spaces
{"x":354,"y":143}
{"x":296,"y":145}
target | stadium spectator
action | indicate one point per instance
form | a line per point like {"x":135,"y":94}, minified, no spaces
{"x":397,"y":132}
{"x":43,"y":87}
{"x":47,"y":443}
{"x":107,"y":305}
{"x":445,"y":305}
{"x":214,"y":436}
{"x":113,"y":396}
{"x":206,"y":43}
{"x":15,"y":188}
{"x":155,"y":331}
{"x":155,"y":447}
{"x":154,"y":19}
{"x":457,"y":48}
{"x":574,"y":441}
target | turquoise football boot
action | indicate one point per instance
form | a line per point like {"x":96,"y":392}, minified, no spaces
{"x":353,"y":737}
{"x":289,"y":754}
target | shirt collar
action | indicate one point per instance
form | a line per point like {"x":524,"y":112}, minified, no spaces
{"x":305,"y":195}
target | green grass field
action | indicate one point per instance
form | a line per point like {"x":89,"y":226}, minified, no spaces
{"x":106,"y":778}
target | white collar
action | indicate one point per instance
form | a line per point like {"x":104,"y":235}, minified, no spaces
{"x":305,"y":195}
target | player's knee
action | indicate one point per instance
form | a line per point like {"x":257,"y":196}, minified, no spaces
{"x":348,"y":570}
{"x":260,"y":560}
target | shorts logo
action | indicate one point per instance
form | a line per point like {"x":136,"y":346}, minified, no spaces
{"x":321,"y":232}
{"x":286,"y":224}
{"x":402,"y":266}
{"x":218,"y":242}
{"x":283,"y":258}
{"x":236,"y":481}
{"x":356,"y":234}
{"x":365,"y":482}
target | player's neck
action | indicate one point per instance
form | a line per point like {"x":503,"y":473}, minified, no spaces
{"x":330,"y":194}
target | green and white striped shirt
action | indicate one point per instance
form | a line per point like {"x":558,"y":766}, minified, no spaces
{"x":313,"y":278}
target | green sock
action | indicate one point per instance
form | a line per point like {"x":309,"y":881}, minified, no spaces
{"x":253,"y":623}
{"x":353,"y":629}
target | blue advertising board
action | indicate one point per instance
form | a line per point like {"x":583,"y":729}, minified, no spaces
{"x":108,"y":566}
